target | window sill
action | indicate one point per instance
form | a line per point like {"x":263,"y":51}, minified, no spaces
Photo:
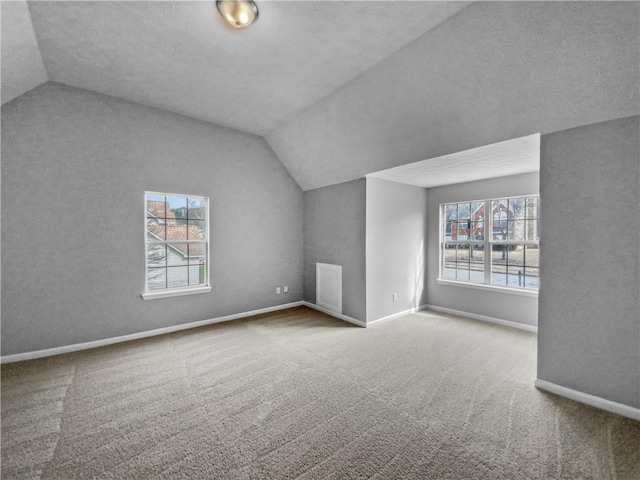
{"x":490,"y":288}
{"x":174,"y":293}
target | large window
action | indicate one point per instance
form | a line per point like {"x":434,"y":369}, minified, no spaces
{"x":177,"y":244}
{"x":491,"y":242}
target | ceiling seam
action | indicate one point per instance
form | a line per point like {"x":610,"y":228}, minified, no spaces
{"x":38,"y":42}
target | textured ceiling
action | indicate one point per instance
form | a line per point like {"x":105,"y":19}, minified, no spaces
{"x":520,"y":155}
{"x":181,"y":57}
{"x":344,"y":89}
{"x":494,"y":71}
{"x":22,"y":67}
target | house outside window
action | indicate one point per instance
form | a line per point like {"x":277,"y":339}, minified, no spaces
{"x":500,"y":248}
{"x":176,"y":244}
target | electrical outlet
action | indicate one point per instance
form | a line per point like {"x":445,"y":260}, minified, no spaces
{"x":286,"y":289}
{"x":278,"y":291}
{"x":395,"y":297}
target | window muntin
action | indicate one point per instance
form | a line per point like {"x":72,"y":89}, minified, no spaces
{"x":177,"y":242}
{"x":501,"y":248}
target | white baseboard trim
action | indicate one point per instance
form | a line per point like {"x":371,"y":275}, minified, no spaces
{"x":591,"y":400}
{"x":396,"y":315}
{"x":475,"y":316}
{"x":18,"y":357}
{"x":335,"y":314}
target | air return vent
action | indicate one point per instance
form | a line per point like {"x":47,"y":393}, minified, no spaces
{"x":329,"y":286}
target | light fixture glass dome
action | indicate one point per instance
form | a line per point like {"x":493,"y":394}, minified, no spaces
{"x":239,"y":13}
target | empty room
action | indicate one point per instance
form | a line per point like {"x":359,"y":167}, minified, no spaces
{"x":320,"y":239}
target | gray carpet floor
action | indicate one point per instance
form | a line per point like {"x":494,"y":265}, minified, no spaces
{"x":297,"y":394}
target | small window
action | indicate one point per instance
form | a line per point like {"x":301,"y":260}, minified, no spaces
{"x":177,"y":244}
{"x":491,"y":242}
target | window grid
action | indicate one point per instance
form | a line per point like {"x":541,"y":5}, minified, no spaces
{"x":499,"y":249}
{"x":176,"y":238}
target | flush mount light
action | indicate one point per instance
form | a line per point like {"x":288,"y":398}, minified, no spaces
{"x":239,"y":13}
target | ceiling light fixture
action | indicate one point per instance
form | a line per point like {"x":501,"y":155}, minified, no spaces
{"x":239,"y":13}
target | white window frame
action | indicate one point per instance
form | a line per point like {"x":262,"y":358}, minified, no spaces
{"x":488,"y":243}
{"x":184,"y":290}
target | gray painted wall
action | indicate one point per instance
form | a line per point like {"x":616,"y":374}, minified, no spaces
{"x":334,"y":232}
{"x":493,"y":71}
{"x":504,"y":306}
{"x":75,"y":165}
{"x":589,"y":330}
{"x":396,"y":247}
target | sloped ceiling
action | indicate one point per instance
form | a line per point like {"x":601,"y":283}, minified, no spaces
{"x":511,"y":157}
{"x":22,"y":67}
{"x":494,"y":71}
{"x":344,"y":89}
{"x":182,"y":57}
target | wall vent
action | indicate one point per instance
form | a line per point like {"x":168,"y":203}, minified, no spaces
{"x":329,"y":286}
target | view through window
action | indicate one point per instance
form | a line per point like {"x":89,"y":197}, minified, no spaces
{"x":177,"y":235}
{"x":500,"y":248}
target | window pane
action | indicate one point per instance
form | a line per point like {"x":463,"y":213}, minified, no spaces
{"x":156,"y":206}
{"x":477,"y":209}
{"x":196,"y":230}
{"x":532,"y":228}
{"x":156,"y":256}
{"x":499,"y":265}
{"x":196,"y":208}
{"x":476,"y":231}
{"x":177,"y":254}
{"x":464,"y":211}
{"x":532,"y":207}
{"x":176,"y":207}
{"x":449,"y":264}
{"x":177,"y":276}
{"x":476,"y":264}
{"x":155,"y":229}
{"x":450,"y":211}
{"x":197,"y":274}
{"x":447,"y":231}
{"x":532,"y":256}
{"x":515,"y":255}
{"x":500,"y":204}
{"x":462,"y":253}
{"x":462,"y":265}
{"x":515,"y":276}
{"x":197,"y":252}
{"x":516,"y":230}
{"x":462,"y":230}
{"x":176,"y":232}
{"x":516,"y":208}
{"x":500,"y":219}
{"x":531,"y":278}
{"x":156,"y":278}
{"x":462,"y":271}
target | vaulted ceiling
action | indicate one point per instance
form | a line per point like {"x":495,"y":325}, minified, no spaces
{"x":343,"y":89}
{"x":182,"y":57}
